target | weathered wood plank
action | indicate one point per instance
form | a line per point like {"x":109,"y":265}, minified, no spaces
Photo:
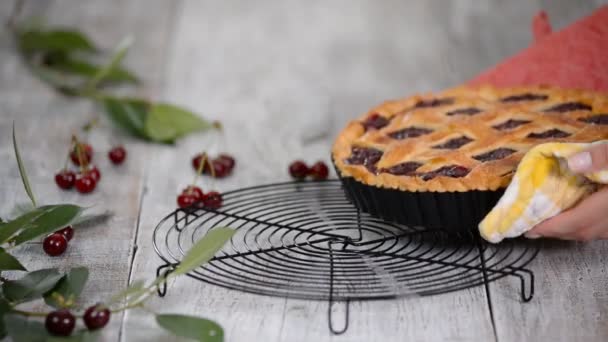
{"x":45,"y":122}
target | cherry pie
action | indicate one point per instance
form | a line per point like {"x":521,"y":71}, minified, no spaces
{"x":465,"y":138}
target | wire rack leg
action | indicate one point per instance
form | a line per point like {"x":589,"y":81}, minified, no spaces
{"x":165,"y":269}
{"x":524,"y":274}
{"x":330,"y":314}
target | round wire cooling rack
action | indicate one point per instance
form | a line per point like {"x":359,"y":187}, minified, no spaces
{"x":306,"y":240}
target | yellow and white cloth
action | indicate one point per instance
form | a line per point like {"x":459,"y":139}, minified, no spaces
{"x":542,"y":187}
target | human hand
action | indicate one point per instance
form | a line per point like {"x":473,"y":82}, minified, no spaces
{"x":589,"y":219}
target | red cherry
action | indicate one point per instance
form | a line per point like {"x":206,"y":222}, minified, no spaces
{"x":298,"y":170}
{"x":55,"y":244}
{"x":213,"y":200}
{"x":87,"y":154}
{"x":60,"y":322}
{"x":94,"y":173}
{"x":117,"y":155}
{"x":65,"y":179}
{"x":68,"y":232}
{"x":194,"y":191}
{"x":186,"y":200}
{"x":96,"y":317}
{"x":227,"y":160}
{"x":319,"y":171}
{"x":220,"y":170}
{"x":85,"y":184}
{"x":196,"y":162}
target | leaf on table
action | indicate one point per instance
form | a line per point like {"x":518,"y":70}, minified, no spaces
{"x":128,"y":113}
{"x":10,"y":228}
{"x":196,"y":328}
{"x":24,"y":179}
{"x":36,"y":40}
{"x":32,"y":286}
{"x":85,"y":69}
{"x":70,"y":286}
{"x":168,"y":122}
{"x":9,"y":262}
{"x":86,"y":221}
{"x":62,"y":83}
{"x":118,"y":56}
{"x":204,"y":249}
{"x":53,"y":217}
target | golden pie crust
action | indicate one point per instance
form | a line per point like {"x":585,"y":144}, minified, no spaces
{"x":478,"y":113}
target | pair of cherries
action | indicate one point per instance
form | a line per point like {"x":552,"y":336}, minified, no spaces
{"x":56,"y":243}
{"x":62,"y":322}
{"x":194,"y":196}
{"x":218,"y":167}
{"x":88,"y":177}
{"x":299,"y":170}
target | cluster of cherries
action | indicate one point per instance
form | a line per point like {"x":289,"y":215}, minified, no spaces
{"x":218,"y":167}
{"x":88,"y":175}
{"x":299,"y":170}
{"x":62,"y":322}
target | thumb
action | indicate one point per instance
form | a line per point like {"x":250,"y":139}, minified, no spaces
{"x":595,"y":158}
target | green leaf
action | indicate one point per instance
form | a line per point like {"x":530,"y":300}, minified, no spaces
{"x":70,"y":286}
{"x":9,"y":229}
{"x":167,"y":122}
{"x":118,"y":56}
{"x":87,"y":70}
{"x":26,"y":182}
{"x":20,"y":329}
{"x":60,"y":81}
{"x":192,"y":327}
{"x":55,"y":40}
{"x":203,"y":250}
{"x":32,"y":286}
{"x":134,"y":288}
{"x":130,"y":114}
{"x":53,"y":218}
{"x":4,"y":308}
{"x":9,"y":262}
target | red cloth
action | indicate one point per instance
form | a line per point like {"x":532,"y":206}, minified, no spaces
{"x":575,"y":57}
{"x":541,"y":27}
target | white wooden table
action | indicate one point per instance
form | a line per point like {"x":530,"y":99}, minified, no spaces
{"x":283,"y":77}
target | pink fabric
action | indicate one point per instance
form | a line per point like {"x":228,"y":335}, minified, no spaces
{"x":575,"y":57}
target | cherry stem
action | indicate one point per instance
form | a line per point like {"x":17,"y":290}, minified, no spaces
{"x":34,"y":314}
{"x":199,"y":170}
{"x":81,"y":161}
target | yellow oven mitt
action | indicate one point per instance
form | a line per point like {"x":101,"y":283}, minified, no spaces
{"x":542,"y":187}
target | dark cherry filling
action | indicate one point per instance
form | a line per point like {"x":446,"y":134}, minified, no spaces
{"x":434,"y":102}
{"x":410,"y":132}
{"x":403,"y":169}
{"x":365,"y":156}
{"x":568,"y":107}
{"x":455,"y":143}
{"x":552,"y":133}
{"x":496,"y":154}
{"x":375,"y":121}
{"x":454,"y":171}
{"x":599,"y":119}
{"x":464,"y":111}
{"x":524,"y":97}
{"x":510,"y":124}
